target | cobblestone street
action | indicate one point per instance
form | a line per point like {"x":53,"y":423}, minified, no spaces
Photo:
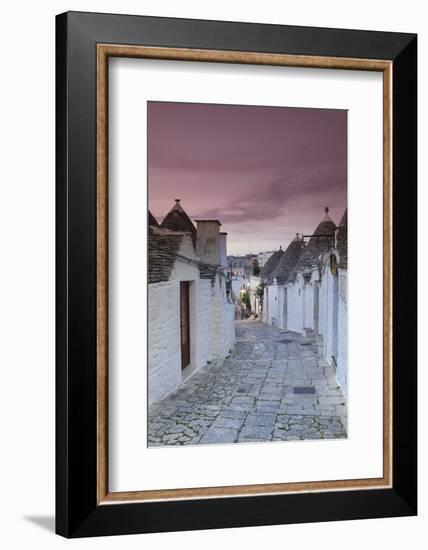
{"x":274,"y":386}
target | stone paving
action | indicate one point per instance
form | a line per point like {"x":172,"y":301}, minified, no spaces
{"x":251,"y":395}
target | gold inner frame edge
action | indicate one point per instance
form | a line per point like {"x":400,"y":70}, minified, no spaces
{"x":104,"y":51}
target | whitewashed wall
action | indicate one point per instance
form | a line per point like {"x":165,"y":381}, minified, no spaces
{"x":280,"y":306}
{"x":303,"y":312}
{"x":327,"y":306}
{"x":342,"y":356}
{"x":270,"y":305}
{"x":255,"y":303}
{"x":165,"y":372}
{"x":164,"y":339}
{"x":237,"y":284}
{"x":212,"y":329}
{"x":265,"y":304}
{"x":200,"y":324}
{"x":308,"y":306}
{"x":254,"y":282}
{"x":335,"y":337}
{"x":221,"y":321}
{"x":273,"y":314}
{"x":295,"y":306}
{"x":322,"y":313}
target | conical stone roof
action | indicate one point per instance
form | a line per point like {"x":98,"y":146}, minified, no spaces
{"x":271,"y":264}
{"x":163,"y":246}
{"x":152,"y":220}
{"x":288,"y":261}
{"x":342,"y":240}
{"x":319,"y":243}
{"x":178,"y":220}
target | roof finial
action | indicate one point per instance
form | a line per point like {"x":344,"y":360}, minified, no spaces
{"x":280,"y":247}
{"x":326,"y":216}
{"x":177,"y":206}
{"x":297,"y":235}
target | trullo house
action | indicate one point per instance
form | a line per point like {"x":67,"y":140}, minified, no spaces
{"x":306,"y":291}
{"x":191,"y":315}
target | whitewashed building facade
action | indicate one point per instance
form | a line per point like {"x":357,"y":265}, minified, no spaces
{"x":269,"y":312}
{"x":342,"y":354}
{"x":190,"y":312}
{"x":256,"y":304}
{"x":312,"y":295}
{"x":276,"y":290}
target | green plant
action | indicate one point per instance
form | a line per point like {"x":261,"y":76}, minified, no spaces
{"x":245,"y":298}
{"x":259,"y":292}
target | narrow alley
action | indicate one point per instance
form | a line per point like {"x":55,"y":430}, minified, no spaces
{"x":274,"y":386}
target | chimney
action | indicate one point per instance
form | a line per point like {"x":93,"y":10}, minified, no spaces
{"x":223,"y":250}
{"x":208,"y":241}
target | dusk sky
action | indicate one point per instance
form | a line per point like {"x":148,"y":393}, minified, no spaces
{"x":266,"y":173}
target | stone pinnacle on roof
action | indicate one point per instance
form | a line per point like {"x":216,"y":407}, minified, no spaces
{"x":178,"y":220}
{"x":177,"y":206}
{"x":327,"y":217}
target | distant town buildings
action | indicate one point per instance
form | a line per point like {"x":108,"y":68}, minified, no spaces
{"x":242,"y":266}
{"x":191,"y":314}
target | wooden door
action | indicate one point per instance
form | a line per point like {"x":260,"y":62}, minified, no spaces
{"x":185,"y":323}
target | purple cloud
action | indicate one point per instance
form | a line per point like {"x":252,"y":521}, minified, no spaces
{"x":265,"y":172}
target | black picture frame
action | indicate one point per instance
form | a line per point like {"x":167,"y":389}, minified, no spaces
{"x":77,"y":511}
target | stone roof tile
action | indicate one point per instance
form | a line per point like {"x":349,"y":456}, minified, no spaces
{"x":178,"y":220}
{"x":207,"y":272}
{"x":163,"y":246}
{"x":288,"y":260}
{"x":152,"y":220}
{"x":271,"y":264}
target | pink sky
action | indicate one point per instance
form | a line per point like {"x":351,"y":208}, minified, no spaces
{"x":265,"y":172}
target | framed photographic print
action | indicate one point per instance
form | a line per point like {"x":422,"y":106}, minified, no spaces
{"x":236,"y":274}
